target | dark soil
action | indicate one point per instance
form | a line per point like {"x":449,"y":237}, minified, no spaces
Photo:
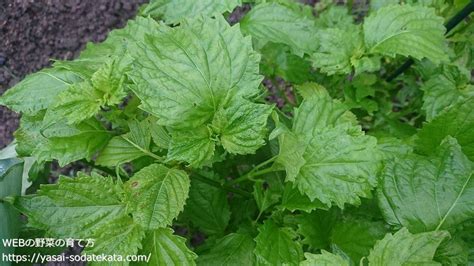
{"x":32,"y":32}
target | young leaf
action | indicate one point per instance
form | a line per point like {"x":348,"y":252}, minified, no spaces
{"x":335,"y":17}
{"x":456,"y":121}
{"x":428,"y":193}
{"x":406,"y":30}
{"x":216,"y":81}
{"x":339,"y":50}
{"x":37,"y":91}
{"x":165,"y":248}
{"x":324,"y":259}
{"x":404,"y":248}
{"x":207,"y":208}
{"x":233,"y":249}
{"x":127,"y":147}
{"x":271,"y":22}
{"x":174,"y":11}
{"x":326,"y":155}
{"x":84,"y":207}
{"x":156,"y":195}
{"x":276,"y":246}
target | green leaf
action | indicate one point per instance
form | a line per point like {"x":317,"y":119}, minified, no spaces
{"x":404,"y":248}
{"x":271,"y":22}
{"x":277,"y":61}
{"x":217,"y":80}
{"x":207,"y":208}
{"x":453,"y":251}
{"x":445,"y":89}
{"x":326,"y":155}
{"x":242,"y":126}
{"x":174,"y":11}
{"x":316,"y":228}
{"x":276,"y":245}
{"x":83,"y":100}
{"x":156,"y":195}
{"x":28,"y":135}
{"x":81,"y":208}
{"x":324,"y":259}
{"x":456,"y":121}
{"x":37,"y":91}
{"x":127,"y":147}
{"x":293,"y":200}
{"x":196,"y":149}
{"x":165,"y":248}
{"x":406,"y":30}
{"x":428,"y":193}
{"x":69,"y":143}
{"x":11,"y":170}
{"x":339,"y":50}
{"x":335,"y":17}
{"x":357,"y":237}
{"x":233,"y":249}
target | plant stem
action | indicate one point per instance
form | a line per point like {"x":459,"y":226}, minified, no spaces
{"x":254,"y":171}
{"x":220,"y":186}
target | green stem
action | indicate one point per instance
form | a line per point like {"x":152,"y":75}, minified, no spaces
{"x":255,"y":171}
{"x":220,"y":186}
{"x":151,"y":154}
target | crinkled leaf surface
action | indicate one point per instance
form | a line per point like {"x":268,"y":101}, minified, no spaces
{"x":191,"y":84}
{"x":339,"y":50}
{"x":68,"y":143}
{"x":276,"y":246}
{"x":84,"y":207}
{"x":174,"y":11}
{"x":428,"y":193}
{"x":293,"y":199}
{"x":326,"y":155}
{"x":156,"y":195}
{"x":233,"y":249}
{"x":272,"y":22}
{"x":456,"y":121}
{"x":166,"y":249}
{"x":324,"y":259}
{"x":406,"y":30}
{"x":404,"y":248}
{"x":445,"y":89}
{"x":127,"y":147}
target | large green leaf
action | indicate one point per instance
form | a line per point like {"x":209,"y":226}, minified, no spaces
{"x":272,"y":22}
{"x":165,"y":248}
{"x":456,"y":121}
{"x":428,"y":193}
{"x":326,"y":155}
{"x":209,"y":97}
{"x":156,"y":195}
{"x":174,"y":11}
{"x":207,"y":208}
{"x":37,"y":91}
{"x":233,"y":249}
{"x":406,"y":30}
{"x":80,"y":208}
{"x":276,"y":246}
{"x":324,"y":259}
{"x":404,"y":248}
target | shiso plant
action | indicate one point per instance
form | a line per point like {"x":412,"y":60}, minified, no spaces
{"x":188,"y":161}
